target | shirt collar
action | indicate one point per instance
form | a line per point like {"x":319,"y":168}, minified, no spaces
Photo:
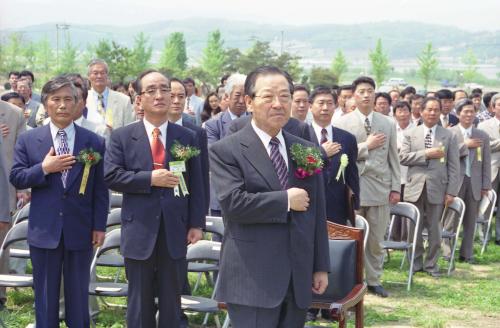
{"x":79,"y":121}
{"x":363,"y":116}
{"x":150,"y":127}
{"x":433,"y":129}
{"x":233,"y":116}
{"x":266,"y":138}
{"x":317,"y":129}
{"x":179,"y":121}
{"x":464,"y":130}
{"x":70,"y":129}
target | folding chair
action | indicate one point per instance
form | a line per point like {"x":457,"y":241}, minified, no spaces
{"x":486,"y":211}
{"x":409,"y":213}
{"x":114,"y":218}
{"x":215,"y":225}
{"x":458,"y":210}
{"x":22,"y":214}
{"x":115,"y":200}
{"x":361,"y":223}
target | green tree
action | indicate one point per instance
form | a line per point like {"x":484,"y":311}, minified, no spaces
{"x":68,"y":58}
{"x":44,"y":61}
{"x":322,"y":76}
{"x":214,"y":57}
{"x":289,"y":63}
{"x":339,"y":65}
{"x":380,"y":63}
{"x":470,"y":62}
{"x":102,"y":50}
{"x":233,"y":56}
{"x":141,"y":54}
{"x":258,"y":55}
{"x":13,"y":50}
{"x":119,"y":59}
{"x":29,"y":54}
{"x":174,"y":56}
{"x":427,"y":63}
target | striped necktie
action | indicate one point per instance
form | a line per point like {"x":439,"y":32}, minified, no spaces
{"x":63,"y":149}
{"x":279,"y":162}
{"x":428,"y":139}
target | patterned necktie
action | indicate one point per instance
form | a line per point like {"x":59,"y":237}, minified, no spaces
{"x":468,"y":159}
{"x":157,"y":150}
{"x":63,"y":149}
{"x":368,"y":127}
{"x":428,"y":139}
{"x":100,"y":104}
{"x":279,"y":162}
{"x":324,"y":136}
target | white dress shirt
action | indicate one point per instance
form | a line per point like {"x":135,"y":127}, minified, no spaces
{"x":149,"y":131}
{"x":317,"y":131}
{"x":266,"y":139}
{"x":363,"y":117}
{"x":70,"y":136}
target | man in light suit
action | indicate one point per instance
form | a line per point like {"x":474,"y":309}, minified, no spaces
{"x":431,"y":153}
{"x":275,"y":244}
{"x":194,"y":104}
{"x":475,"y":175}
{"x":105,"y":105}
{"x":492,"y":128}
{"x":156,"y":224}
{"x":379,"y":172}
{"x":64,"y":224}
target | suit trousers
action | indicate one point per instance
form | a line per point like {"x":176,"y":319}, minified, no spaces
{"x":157,"y":276}
{"x":48,"y":266}
{"x":4,"y":264}
{"x":378,"y":220}
{"x":285,"y":315}
{"x":496,"y":187}
{"x":430,"y":218}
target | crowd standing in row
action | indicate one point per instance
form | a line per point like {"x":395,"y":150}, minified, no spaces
{"x":381,"y":147}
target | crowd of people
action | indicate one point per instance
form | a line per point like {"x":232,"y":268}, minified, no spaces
{"x":275,"y":159}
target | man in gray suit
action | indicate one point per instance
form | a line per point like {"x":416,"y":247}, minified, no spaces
{"x":475,"y":175}
{"x":431,"y":154}
{"x":24,"y":88}
{"x":379,"y":172}
{"x":275,"y":246}
{"x":492,"y":128}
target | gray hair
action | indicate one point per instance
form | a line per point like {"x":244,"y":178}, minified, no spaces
{"x":494,"y":99}
{"x":462,"y":103}
{"x":55,"y":84}
{"x":97,"y":61}
{"x":232,"y":81}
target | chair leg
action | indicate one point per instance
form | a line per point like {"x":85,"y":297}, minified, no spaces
{"x":486,"y":237}
{"x":359,"y":315}
{"x":403,"y":259}
{"x":452,"y":257}
{"x":342,"y":322}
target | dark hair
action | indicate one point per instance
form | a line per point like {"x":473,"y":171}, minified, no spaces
{"x":322,"y":90}
{"x":362,"y":79}
{"x":301,"y":87}
{"x":13,"y":95}
{"x":118,"y":85}
{"x":265,"y":70}
{"x":415,"y":97}
{"x":407,"y":90}
{"x":429,"y":99}
{"x":76,"y":78}
{"x":13,"y":73}
{"x":27,"y":73}
{"x":477,"y":90}
{"x":444,"y":94}
{"x":206,"y":113}
{"x":55,"y":84}
{"x":462,"y":103}
{"x":174,"y":79}
{"x":138,"y":82}
{"x":189,"y":80}
{"x":224,"y":78}
{"x":383,"y":95}
{"x":344,"y":87}
{"x":335,"y":87}
{"x":487,"y":98}
{"x":457,"y":91}
{"x":475,"y":95}
{"x":401,"y":104}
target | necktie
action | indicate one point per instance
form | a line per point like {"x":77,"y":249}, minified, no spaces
{"x":468,"y":160}
{"x":62,"y":150}
{"x":428,"y":139}
{"x":100,"y":104}
{"x":445,"y":121}
{"x":279,"y":162}
{"x":368,"y":127}
{"x":157,"y":150}
{"x":324,"y":136}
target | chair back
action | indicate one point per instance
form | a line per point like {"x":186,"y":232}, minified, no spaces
{"x":455,"y":211}
{"x":405,"y":210}
{"x":363,"y":224}
{"x":204,"y":250}
{"x":111,"y":241}
{"x":115,"y":200}
{"x":17,"y":233}
{"x":22,"y":214}
{"x":114,"y":218}
{"x":214,"y":224}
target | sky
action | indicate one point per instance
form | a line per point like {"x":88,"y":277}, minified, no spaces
{"x":482,"y":15}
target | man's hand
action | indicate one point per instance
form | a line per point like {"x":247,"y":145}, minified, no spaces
{"x":331,"y":148}
{"x":473,"y":143}
{"x":24,"y":197}
{"x":298,"y":199}
{"x":484,"y":192}
{"x":164,"y":178}
{"x":320,"y":282}
{"x":394,"y":197}
{"x":448,"y":199}
{"x":4,"y":129}
{"x":375,"y":140}
{"x":434,"y":153}
{"x":98,"y":238}
{"x":53,"y":163}
{"x":194,"y":234}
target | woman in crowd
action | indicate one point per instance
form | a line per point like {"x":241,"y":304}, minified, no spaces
{"x":211,"y":107}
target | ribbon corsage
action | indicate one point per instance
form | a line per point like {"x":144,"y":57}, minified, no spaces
{"x":443,"y":148}
{"x":479,"y":154}
{"x":88,"y":157}
{"x":344,"y":161}
{"x":308,"y":160}
{"x":181,"y":154}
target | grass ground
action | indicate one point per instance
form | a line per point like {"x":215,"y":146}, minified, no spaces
{"x":470,"y":297}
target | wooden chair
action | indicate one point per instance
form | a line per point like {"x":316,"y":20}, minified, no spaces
{"x":346,"y":287}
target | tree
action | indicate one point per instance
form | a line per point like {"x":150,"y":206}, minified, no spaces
{"x":233,"y":56}
{"x":380,"y":63}
{"x":214,"y":57}
{"x":119,"y":59}
{"x":13,"y":52}
{"x":259,"y":54}
{"x":470,"y":62}
{"x":339,"y":65}
{"x":289,"y":63}
{"x":67,"y":59}
{"x":428,"y":64}
{"x":174,"y":56}
{"x":322,"y":76}
{"x":141,"y":54}
{"x":29,"y":54}
{"x":44,"y":61}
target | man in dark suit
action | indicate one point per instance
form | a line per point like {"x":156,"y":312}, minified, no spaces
{"x":65,"y":221}
{"x":447,"y":119}
{"x":275,"y":245}
{"x":156,"y":224}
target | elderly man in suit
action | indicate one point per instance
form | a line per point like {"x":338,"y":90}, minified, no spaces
{"x":68,"y":213}
{"x":475,"y":175}
{"x":492,"y":128}
{"x":158,"y":220}
{"x":105,"y":105}
{"x":275,"y":245}
{"x":24,"y":88}
{"x":379,"y":172}
{"x":431,"y":153}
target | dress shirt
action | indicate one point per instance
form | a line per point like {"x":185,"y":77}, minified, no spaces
{"x":233,"y":116}
{"x":179,"y":121}
{"x":337,"y":114}
{"x":105,"y":95}
{"x":415,"y":120}
{"x":465,"y":132}
{"x":149,"y":131}
{"x":70,"y":136}
{"x":79,"y":121}
{"x":266,"y":139}
{"x":317,"y":131}
{"x":363,"y":117}
{"x":441,"y":118}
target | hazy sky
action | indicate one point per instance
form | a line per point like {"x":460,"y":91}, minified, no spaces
{"x":469,"y":15}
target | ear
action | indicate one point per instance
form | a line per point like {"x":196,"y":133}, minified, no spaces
{"x":249,"y":102}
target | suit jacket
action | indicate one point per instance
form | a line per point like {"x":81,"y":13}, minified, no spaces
{"x":34,"y":106}
{"x":99,"y":129}
{"x":480,"y":170}
{"x":57,"y":212}
{"x":337,"y":207}
{"x":188,"y":118}
{"x":379,"y":170}
{"x":452,"y":120}
{"x":14,"y":118}
{"x":128,"y":166}
{"x":439,"y":178}
{"x":118,"y":103}
{"x":4,"y":185}
{"x":492,"y":128}
{"x":265,"y":245}
{"x":217,"y":126}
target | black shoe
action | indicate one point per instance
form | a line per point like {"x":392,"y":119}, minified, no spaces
{"x":378,"y":290}
{"x":2,"y":305}
{"x":434,"y":274}
{"x":415,"y":271}
{"x":325,"y":314}
{"x":497,"y":242}
{"x":462,"y":259}
{"x":310,"y":316}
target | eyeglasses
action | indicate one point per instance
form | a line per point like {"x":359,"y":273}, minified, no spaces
{"x":152,"y":92}
{"x":282,"y":98}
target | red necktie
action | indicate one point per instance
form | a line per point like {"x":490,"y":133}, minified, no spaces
{"x":157,"y":150}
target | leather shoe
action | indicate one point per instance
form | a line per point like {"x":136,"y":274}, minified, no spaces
{"x":462,"y":259}
{"x":378,"y":290}
{"x":497,"y":242}
{"x":434,"y":274}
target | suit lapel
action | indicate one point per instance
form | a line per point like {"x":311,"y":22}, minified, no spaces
{"x":439,"y":139}
{"x":172,"y":135}
{"x":142,"y":147}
